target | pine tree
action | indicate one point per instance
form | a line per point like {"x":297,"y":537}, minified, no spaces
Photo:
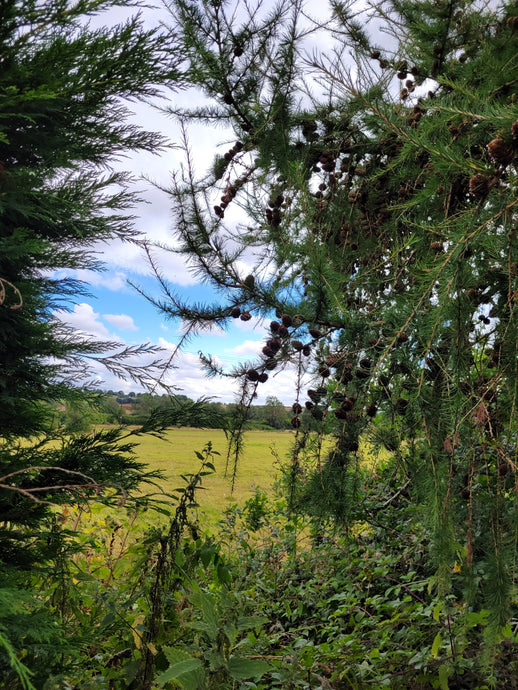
{"x":65,"y":89}
{"x":380,"y":204}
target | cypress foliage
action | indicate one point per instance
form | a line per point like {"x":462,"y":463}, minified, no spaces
{"x":380,"y":203}
{"x":64,"y":94}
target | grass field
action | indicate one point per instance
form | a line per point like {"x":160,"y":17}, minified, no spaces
{"x":175,"y":455}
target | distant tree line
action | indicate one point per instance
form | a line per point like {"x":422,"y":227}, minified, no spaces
{"x":118,"y":407}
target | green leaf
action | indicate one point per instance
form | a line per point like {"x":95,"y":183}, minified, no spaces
{"x":223,"y":573}
{"x":208,"y":609}
{"x":436,"y":645}
{"x":206,"y":553}
{"x":444,"y":674}
{"x":178,"y":670}
{"x":201,"y":626}
{"x":184,"y":668}
{"x":249,"y":622}
{"x":108,"y":619}
{"x":240,"y":667}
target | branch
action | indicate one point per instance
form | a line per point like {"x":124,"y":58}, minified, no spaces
{"x":3,"y":283}
{"x":29,"y":493}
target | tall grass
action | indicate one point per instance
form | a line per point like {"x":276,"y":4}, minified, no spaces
{"x":175,"y":456}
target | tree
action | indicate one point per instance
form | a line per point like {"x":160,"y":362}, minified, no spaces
{"x":380,"y":204}
{"x":274,"y":413}
{"x":65,"y":88}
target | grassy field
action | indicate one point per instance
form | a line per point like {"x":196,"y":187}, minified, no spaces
{"x":175,"y":455}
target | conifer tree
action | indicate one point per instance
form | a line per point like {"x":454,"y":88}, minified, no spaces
{"x":65,"y":88}
{"x":379,"y":183}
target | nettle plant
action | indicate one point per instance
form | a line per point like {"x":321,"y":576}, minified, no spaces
{"x":375,"y":160}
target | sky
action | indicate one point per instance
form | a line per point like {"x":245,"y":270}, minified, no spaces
{"x":114,"y":310}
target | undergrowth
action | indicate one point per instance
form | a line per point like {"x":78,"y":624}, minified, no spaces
{"x":271,"y":600}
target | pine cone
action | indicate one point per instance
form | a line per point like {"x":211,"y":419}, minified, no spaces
{"x":252,"y":375}
{"x":371,"y":410}
{"x":479,"y":186}
{"x":274,"y":344}
{"x":500,"y":152}
{"x":249,"y":282}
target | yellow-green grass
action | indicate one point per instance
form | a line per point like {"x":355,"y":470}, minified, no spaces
{"x":257,"y":468}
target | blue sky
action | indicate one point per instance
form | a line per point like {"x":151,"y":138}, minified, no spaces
{"x":114,"y":310}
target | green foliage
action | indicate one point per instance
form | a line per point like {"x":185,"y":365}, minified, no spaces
{"x":358,"y":610}
{"x":256,"y":510}
{"x":381,"y":212}
{"x":64,"y":119}
{"x":381,"y":216}
{"x":222,"y":662}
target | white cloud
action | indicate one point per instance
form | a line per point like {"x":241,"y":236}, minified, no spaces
{"x":121,"y":321}
{"x":130,"y":257}
{"x":112,"y":280}
{"x":189,"y":377}
{"x":183,"y":370}
{"x":85,"y":320}
{"x":250,"y":348}
{"x":282,"y":385}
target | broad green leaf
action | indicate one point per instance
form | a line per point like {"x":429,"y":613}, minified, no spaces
{"x":240,"y":667}
{"x":184,"y":668}
{"x":201,"y":626}
{"x":444,"y":674}
{"x":437,"y":612}
{"x":249,"y":622}
{"x":208,"y":609}
{"x":108,"y":619}
{"x":223,"y":573}
{"x":175,"y":654}
{"x":436,"y":645}
{"x":178,"y":669}
{"x":206,"y":554}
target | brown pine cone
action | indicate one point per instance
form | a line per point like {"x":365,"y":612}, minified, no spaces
{"x":500,"y":152}
{"x":479,"y":186}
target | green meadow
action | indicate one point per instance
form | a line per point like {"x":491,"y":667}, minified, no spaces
{"x":175,"y":455}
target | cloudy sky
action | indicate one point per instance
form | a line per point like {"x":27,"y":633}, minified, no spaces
{"x":114,"y":310}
